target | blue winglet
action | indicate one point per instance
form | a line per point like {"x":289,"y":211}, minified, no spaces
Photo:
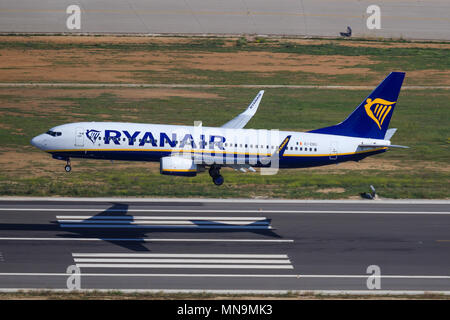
{"x":283,"y":146}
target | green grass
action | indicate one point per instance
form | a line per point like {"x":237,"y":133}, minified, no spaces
{"x":104,"y":180}
{"x":421,"y":116}
{"x":426,"y":130}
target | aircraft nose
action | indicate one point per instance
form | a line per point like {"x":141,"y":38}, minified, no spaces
{"x":38,"y":141}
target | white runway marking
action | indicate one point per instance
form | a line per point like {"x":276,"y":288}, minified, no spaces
{"x":163,"y":222}
{"x":162,"y":227}
{"x":221,"y":211}
{"x":183,"y":266}
{"x":182,"y":261}
{"x":181,"y":255}
{"x":215,"y":218}
{"x":147,"y":239}
{"x":226,"y":261}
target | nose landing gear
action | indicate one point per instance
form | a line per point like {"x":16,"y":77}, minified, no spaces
{"x":217,"y":178}
{"x":68,"y":167}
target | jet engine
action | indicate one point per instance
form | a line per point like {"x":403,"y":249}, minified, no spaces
{"x":178,"y":166}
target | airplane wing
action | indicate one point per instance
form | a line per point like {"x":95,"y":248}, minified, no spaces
{"x":207,"y":159}
{"x":241,"y":120}
{"x":242,"y":167}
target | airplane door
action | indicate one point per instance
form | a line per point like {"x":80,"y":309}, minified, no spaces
{"x":333,"y":150}
{"x":79,"y":137}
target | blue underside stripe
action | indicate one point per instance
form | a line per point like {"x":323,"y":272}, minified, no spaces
{"x":284,"y":162}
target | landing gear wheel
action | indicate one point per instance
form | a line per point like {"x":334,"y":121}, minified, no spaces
{"x":68,"y":168}
{"x":214,"y":172}
{"x":218,"y":180}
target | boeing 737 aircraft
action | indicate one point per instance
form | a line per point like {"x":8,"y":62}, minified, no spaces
{"x":187,"y":150}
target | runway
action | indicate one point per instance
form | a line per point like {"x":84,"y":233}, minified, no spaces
{"x":399,"y":19}
{"x":225,"y":245}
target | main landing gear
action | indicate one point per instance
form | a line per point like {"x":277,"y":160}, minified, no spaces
{"x":217,"y":178}
{"x":68,"y":167}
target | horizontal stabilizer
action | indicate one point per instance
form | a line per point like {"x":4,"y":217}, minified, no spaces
{"x":389,"y":133}
{"x":382,"y":146}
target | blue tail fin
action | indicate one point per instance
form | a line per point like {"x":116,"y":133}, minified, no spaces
{"x":371,"y":118}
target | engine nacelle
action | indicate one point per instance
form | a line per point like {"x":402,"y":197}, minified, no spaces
{"x":177,"y":166}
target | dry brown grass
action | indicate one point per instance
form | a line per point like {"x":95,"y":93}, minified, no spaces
{"x":112,"y":66}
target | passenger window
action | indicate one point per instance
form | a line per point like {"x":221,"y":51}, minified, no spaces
{"x":315,"y":149}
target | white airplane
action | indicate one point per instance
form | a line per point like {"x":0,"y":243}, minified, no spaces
{"x":187,"y":150}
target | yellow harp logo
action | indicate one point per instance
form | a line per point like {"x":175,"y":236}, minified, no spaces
{"x":378,"y":109}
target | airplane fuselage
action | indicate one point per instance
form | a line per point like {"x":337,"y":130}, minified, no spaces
{"x":151,"y":142}
{"x":187,"y":150}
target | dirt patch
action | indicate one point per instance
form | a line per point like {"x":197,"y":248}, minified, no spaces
{"x":98,"y":39}
{"x":103,"y":65}
{"x":440,"y":77}
{"x":273,"y":62}
{"x":126,"y":93}
{"x":331,"y":190}
{"x":85,"y":65}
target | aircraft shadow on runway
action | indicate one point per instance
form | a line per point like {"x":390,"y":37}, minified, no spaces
{"x":121,"y":210}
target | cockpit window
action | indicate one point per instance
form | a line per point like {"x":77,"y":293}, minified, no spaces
{"x":53,"y":133}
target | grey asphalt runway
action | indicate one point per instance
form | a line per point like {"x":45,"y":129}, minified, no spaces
{"x":399,"y":18}
{"x":255,"y":246}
